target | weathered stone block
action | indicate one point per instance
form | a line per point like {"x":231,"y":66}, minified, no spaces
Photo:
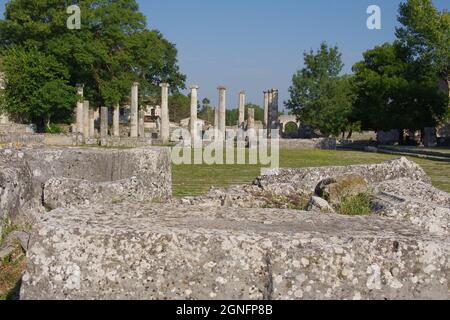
{"x":308,"y":178}
{"x":133,"y":251}
{"x":335,"y":190}
{"x":81,"y":175}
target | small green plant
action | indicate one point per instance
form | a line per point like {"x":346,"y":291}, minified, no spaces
{"x":356,"y":205}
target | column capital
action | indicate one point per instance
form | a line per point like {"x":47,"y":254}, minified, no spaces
{"x":242,"y":92}
{"x":194,"y":87}
{"x":136,"y":84}
{"x":221,"y":88}
{"x":164,"y":85}
{"x":80,"y":85}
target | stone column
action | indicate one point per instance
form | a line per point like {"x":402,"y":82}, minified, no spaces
{"x":222,"y":111}
{"x":216,"y":118}
{"x":92,"y":122}
{"x":241,"y":108}
{"x":193,"y":122}
{"x":79,"y":111}
{"x":269,"y":111}
{"x":134,"y":110}
{"x":103,"y":122}
{"x":273,"y":112}
{"x":116,"y":121}
{"x":266,"y":109}
{"x":165,"y":122}
{"x":142,"y":124}
{"x":86,"y":109}
{"x":251,"y":119}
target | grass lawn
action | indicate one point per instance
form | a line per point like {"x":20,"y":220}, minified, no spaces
{"x":189,"y":180}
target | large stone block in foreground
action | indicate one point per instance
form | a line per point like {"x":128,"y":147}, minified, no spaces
{"x":57,"y":177}
{"x":153,"y":251}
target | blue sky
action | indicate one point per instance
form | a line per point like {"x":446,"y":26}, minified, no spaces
{"x":259,"y":44}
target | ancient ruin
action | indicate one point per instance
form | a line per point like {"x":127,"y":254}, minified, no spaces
{"x":105,"y":227}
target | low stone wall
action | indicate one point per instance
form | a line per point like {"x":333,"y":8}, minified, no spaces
{"x":156,"y":251}
{"x":308,"y":144}
{"x":21,"y":139}
{"x":122,"y":142}
{"x":17,"y":128}
{"x":60,"y":140}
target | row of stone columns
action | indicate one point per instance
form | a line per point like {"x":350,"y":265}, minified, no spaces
{"x":85,"y":114}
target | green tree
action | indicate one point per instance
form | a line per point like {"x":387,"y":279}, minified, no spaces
{"x":425,"y":35}
{"x":206,"y":111}
{"x":232,"y":115}
{"x":112,"y":49}
{"x":38,"y":88}
{"x":319,"y":96}
{"x":180,"y":107}
{"x":391,"y":96}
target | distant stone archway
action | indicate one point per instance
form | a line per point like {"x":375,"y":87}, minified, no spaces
{"x":284,"y":120}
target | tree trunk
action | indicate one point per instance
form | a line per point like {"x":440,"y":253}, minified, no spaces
{"x":350,"y":134}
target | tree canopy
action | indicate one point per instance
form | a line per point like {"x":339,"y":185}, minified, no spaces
{"x":396,"y":84}
{"x":425,"y":34}
{"x":232,"y":115}
{"x":319,"y":96}
{"x":391,"y":96}
{"x":113,"y":48}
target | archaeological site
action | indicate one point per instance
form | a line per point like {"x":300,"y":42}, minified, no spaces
{"x":118,"y":182}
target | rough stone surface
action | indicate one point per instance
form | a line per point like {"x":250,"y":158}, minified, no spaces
{"x":416,"y":202}
{"x":308,"y":178}
{"x":334,"y":190}
{"x":63,"y":192}
{"x":250,"y":196}
{"x":80,"y":175}
{"x":286,"y":188}
{"x":136,"y":251}
{"x":318,"y":204}
{"x":15,"y":187}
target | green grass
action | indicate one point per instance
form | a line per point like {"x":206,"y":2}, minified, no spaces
{"x":190,"y":180}
{"x":359,"y":205}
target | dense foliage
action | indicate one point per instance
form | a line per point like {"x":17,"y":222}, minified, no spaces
{"x":395,"y":86}
{"x":112,"y":49}
{"x":319,"y":95}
